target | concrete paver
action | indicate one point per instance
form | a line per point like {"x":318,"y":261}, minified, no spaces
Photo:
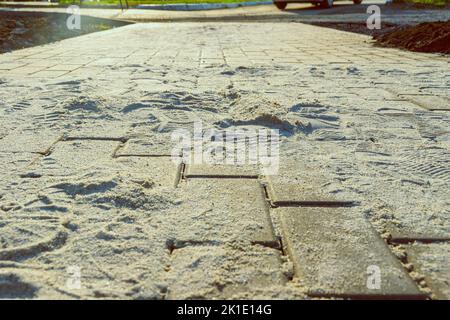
{"x":334,"y":249}
{"x":149,"y":145}
{"x":72,"y":157}
{"x":78,"y":157}
{"x":299,"y":184}
{"x":224,"y":273}
{"x":220,"y":214}
{"x":430,"y":262}
{"x":430,"y":102}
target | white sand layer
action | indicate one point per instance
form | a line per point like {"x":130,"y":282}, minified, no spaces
{"x":87,"y":184}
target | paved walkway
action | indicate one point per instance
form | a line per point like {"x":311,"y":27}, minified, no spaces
{"x":358,"y":208}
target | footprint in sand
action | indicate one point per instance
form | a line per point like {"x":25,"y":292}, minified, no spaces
{"x":23,"y":237}
{"x":430,"y":163}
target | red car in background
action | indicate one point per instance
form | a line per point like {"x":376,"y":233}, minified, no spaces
{"x":281,"y":4}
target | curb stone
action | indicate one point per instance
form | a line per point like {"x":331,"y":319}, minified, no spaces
{"x":201,"y":6}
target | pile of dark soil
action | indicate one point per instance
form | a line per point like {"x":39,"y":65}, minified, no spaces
{"x":424,"y":37}
{"x":412,"y":4}
{"x":22,"y":29}
{"x":356,"y":27}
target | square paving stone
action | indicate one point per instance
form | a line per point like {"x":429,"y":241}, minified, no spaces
{"x":333,"y":251}
{"x":223,"y":211}
{"x":224,"y":272}
{"x":432,"y":261}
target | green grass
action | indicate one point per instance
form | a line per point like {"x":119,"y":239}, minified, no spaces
{"x":136,"y":2}
{"x":428,"y":2}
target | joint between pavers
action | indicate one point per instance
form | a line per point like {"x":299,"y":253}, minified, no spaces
{"x":116,"y":149}
{"x":305,"y":203}
{"x":268,"y":244}
{"x":218,"y":176}
{"x":93,"y":138}
{"x":180,"y":174}
{"x":46,"y":152}
{"x":319,"y":204}
{"x":141,"y":155}
{"x":174,"y":244}
{"x":411,"y":240}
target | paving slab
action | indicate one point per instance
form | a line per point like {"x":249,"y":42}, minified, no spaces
{"x":85,"y":157}
{"x":333,"y":249}
{"x":47,"y":74}
{"x":233,"y":154}
{"x":154,"y":145}
{"x":76,"y":156}
{"x":221,"y":272}
{"x":94,"y":129}
{"x":421,"y":174}
{"x":224,"y":211}
{"x":432,"y":262}
{"x":429,"y":102}
{"x":155,"y":171}
{"x":298,"y":184}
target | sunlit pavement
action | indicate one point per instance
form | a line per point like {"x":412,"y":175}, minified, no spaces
{"x":88,"y":179}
